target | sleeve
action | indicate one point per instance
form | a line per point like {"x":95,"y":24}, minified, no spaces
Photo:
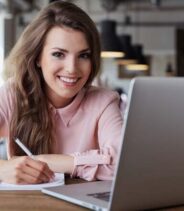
{"x":100,"y":164}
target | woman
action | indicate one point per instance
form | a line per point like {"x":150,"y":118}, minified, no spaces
{"x":49,"y":104}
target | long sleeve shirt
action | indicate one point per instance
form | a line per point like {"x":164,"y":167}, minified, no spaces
{"x":89,"y":129}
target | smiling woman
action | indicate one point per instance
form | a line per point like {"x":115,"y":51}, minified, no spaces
{"x":65,"y":64}
{"x":50,"y":105}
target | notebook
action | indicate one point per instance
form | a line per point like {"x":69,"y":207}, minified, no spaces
{"x":150,"y":170}
{"x":58,"y":180}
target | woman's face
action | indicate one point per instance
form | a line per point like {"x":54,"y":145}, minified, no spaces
{"x":65,"y":62}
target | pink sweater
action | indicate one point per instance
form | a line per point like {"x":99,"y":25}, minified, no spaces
{"x":89,"y":129}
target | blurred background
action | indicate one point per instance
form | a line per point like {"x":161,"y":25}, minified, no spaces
{"x":138,"y":37}
{"x":146,"y":35}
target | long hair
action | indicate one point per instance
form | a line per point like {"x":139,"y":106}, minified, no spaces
{"x":31,"y":118}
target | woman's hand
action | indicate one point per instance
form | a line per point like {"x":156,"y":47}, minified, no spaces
{"x":25,"y":170}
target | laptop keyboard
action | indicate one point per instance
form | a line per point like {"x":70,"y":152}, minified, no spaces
{"x":105,"y":196}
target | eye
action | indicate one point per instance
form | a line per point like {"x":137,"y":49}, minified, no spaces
{"x":85,"y":55}
{"x":58,"y":54}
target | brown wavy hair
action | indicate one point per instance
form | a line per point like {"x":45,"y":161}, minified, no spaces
{"x":31,"y":119}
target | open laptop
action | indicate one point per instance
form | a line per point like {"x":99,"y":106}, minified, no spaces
{"x":150,"y":171}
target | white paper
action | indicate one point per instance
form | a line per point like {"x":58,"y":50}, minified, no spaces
{"x":57,"y":181}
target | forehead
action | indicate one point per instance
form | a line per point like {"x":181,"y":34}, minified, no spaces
{"x":65,"y":37}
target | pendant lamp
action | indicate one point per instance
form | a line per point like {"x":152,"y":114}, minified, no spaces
{"x":111,"y":45}
{"x":141,"y":64}
{"x":130,"y":57}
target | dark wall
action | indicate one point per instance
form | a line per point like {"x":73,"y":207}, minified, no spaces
{"x":180,"y":52}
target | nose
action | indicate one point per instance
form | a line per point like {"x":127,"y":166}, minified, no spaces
{"x":71,"y":65}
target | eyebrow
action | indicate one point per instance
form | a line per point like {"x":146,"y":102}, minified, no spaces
{"x":64,"y":50}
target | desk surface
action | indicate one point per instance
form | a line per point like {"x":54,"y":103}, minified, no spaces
{"x":37,"y":201}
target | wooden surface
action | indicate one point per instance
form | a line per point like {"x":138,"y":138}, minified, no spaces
{"x":35,"y":201}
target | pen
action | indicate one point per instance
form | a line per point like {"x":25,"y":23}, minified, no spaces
{"x":23,"y":147}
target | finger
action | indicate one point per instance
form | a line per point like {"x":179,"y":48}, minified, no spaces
{"x":28,"y":179}
{"x":41,"y":167}
{"x":47,"y":171}
{"x":33,"y":168}
{"x":35,"y":173}
{"x":19,"y":177}
{"x":27,"y":175}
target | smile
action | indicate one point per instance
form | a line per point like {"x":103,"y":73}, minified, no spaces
{"x":68,"y":80}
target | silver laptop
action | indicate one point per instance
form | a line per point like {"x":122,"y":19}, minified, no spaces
{"x":150,"y":171}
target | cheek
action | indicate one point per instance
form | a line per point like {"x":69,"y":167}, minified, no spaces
{"x":45,"y":76}
{"x":49,"y":68}
{"x":89,"y":73}
{"x":47,"y":63}
{"x":47,"y":72}
{"x":88,"y":70}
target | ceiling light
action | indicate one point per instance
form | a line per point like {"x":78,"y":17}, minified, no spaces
{"x":111,"y":45}
{"x":129,"y":57}
{"x":141,"y":64}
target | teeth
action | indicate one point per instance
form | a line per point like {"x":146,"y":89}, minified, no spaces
{"x":68,"y":80}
